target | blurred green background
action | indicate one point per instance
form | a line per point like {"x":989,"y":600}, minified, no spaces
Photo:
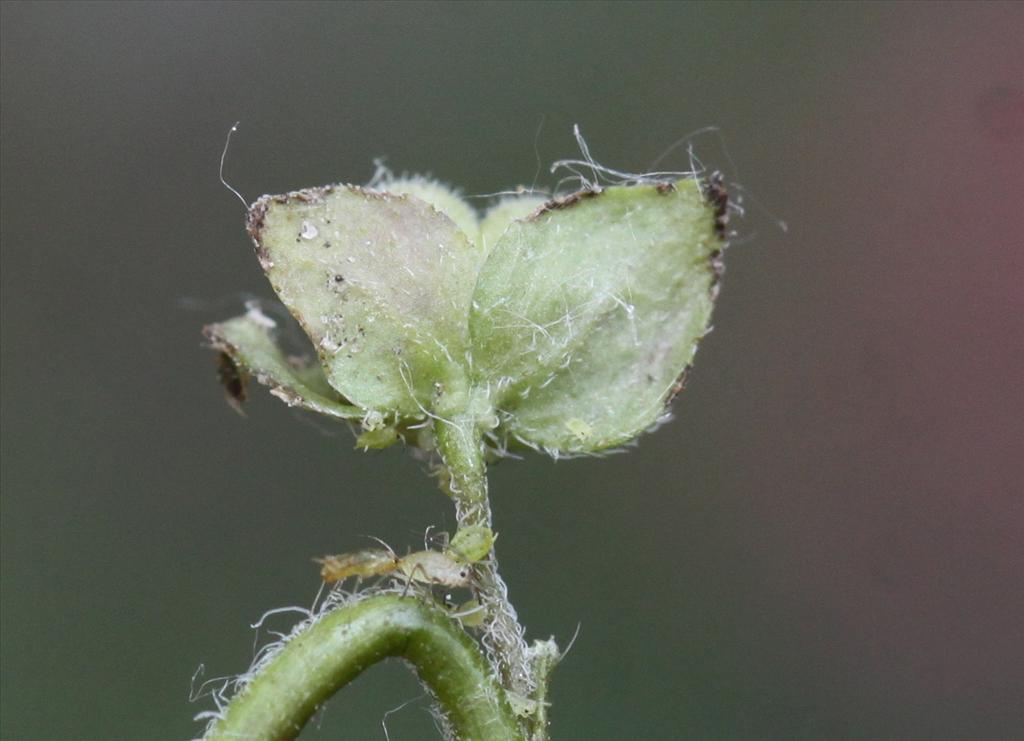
{"x":827,"y":543}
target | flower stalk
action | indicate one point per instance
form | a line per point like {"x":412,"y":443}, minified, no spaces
{"x":462,"y":452}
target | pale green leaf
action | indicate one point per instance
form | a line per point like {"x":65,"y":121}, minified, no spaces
{"x":381,"y":283}
{"x":247,"y":341}
{"x":440,"y":197}
{"x":586,"y":314}
{"x":502,"y":214}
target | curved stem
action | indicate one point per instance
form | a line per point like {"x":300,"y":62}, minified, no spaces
{"x":281,"y":697}
{"x":461,"y":448}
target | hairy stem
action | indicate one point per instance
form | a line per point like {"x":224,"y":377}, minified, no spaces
{"x":314,"y":665}
{"x":461,"y":448}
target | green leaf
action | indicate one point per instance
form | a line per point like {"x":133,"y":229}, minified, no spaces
{"x":440,"y":197}
{"x":248,"y":344}
{"x":381,"y":283}
{"x":501,"y":215}
{"x":586,"y":314}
